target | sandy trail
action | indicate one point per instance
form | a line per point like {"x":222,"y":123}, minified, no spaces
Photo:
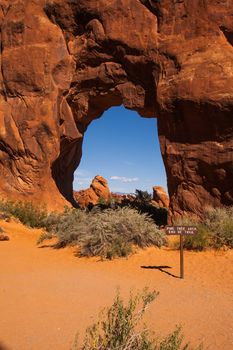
{"x":47,"y":295}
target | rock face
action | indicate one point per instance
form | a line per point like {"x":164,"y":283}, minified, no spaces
{"x":160,"y":197}
{"x":98,"y":190}
{"x":64,"y":62}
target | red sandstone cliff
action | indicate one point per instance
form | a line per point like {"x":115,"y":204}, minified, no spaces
{"x":64,"y":62}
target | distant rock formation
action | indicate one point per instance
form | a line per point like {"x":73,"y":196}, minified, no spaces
{"x":98,"y":190}
{"x":160,"y":197}
{"x":120,"y":197}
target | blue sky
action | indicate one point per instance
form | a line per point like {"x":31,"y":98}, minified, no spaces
{"x":124,"y":148}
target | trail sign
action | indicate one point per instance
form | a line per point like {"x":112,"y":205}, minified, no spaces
{"x":181,"y":231}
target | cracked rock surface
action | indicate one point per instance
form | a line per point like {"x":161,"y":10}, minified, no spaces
{"x":64,"y":62}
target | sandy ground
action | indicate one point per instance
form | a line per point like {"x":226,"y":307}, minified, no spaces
{"x":47,"y":295}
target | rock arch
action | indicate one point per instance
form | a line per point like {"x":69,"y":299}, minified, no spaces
{"x":63,"y":62}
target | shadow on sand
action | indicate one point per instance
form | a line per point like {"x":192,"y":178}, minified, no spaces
{"x":52,"y":245}
{"x":160,"y":268}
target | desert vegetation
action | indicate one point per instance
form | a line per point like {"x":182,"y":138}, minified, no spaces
{"x":114,"y":230}
{"x":107,"y":233}
{"x":27,"y":213}
{"x":119,"y":328}
{"x":214,"y":231}
{"x":142,"y":202}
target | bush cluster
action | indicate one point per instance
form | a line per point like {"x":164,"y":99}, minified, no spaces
{"x":214,"y":231}
{"x":119,"y":328}
{"x":220,"y":223}
{"x":112,"y":232}
{"x":108,"y":233}
{"x":142,"y":202}
{"x":26,"y":212}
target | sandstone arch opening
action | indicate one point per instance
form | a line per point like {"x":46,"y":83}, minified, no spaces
{"x":68,"y":162}
{"x":123,"y":148}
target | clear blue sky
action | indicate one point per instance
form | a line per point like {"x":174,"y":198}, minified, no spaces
{"x":124,"y":148}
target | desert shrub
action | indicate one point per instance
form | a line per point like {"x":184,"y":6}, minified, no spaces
{"x":119,"y":328}
{"x":50,"y":224}
{"x":102,"y":201}
{"x":142,"y":202}
{"x":215,"y":230}
{"x":67,"y":226}
{"x":119,"y":247}
{"x":108,"y":233}
{"x":220,"y":223}
{"x":159,"y":215}
{"x":174,"y":341}
{"x":143,"y":196}
{"x":122,"y":227}
{"x":28,"y":213}
{"x":201,"y":240}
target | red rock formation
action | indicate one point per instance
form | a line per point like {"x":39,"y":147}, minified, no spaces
{"x":98,"y":190}
{"x":119,"y":198}
{"x":64,"y":62}
{"x":160,"y":197}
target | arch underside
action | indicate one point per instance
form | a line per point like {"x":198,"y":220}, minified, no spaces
{"x":172,"y":62}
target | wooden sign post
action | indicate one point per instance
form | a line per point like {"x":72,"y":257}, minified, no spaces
{"x":181,"y":231}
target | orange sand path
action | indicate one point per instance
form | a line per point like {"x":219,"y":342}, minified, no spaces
{"x":47,"y":295}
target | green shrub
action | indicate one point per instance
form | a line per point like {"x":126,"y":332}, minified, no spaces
{"x":28,"y":213}
{"x":220,"y":223}
{"x":119,"y":247}
{"x":102,"y":201}
{"x":143,"y":196}
{"x":120,"y":225}
{"x":108,"y":233}
{"x":119,"y":328}
{"x":142,"y":202}
{"x":174,"y":341}
{"x":159,"y":215}
{"x":67,"y":227}
{"x":201,"y":240}
{"x":214,"y":231}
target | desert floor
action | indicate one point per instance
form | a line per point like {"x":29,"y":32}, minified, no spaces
{"x":47,"y":295}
